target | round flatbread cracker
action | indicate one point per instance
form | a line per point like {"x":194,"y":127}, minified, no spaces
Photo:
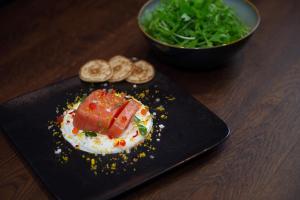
{"x":95,"y":71}
{"x":122,"y":68}
{"x":142,"y":72}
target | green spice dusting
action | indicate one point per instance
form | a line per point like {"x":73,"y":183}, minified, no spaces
{"x":194,"y":23}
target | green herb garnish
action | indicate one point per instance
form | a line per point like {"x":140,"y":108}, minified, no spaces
{"x":142,"y":129}
{"x":90,"y":134}
{"x":136,"y":119}
{"x":194,"y":23}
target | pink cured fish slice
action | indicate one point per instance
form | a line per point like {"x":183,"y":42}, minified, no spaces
{"x":98,"y":110}
{"x":124,"y":118}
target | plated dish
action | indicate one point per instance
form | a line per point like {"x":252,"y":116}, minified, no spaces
{"x":106,"y":123}
{"x":182,"y":128}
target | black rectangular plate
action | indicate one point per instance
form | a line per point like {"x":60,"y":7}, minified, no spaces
{"x":190,"y":130}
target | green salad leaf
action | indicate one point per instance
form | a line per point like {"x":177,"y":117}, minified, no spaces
{"x":194,"y":23}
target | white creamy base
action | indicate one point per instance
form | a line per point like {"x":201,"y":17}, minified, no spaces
{"x":102,"y":144}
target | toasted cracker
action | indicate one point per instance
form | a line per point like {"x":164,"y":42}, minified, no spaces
{"x":142,"y":72}
{"x":122,"y":68}
{"x":95,"y":71}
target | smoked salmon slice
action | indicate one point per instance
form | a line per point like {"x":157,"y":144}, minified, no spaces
{"x":98,"y":110}
{"x":121,"y":122}
{"x":105,"y":112}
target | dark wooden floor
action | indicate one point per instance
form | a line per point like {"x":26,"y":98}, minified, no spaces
{"x":258,"y":94}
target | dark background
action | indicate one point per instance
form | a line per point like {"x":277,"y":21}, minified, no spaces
{"x":257,"y":94}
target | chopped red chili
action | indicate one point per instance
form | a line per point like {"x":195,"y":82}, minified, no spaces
{"x":92,"y":106}
{"x":144,"y":111}
{"x":122,"y":143}
{"x":75,"y":130}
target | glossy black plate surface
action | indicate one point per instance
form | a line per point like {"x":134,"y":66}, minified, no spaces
{"x":190,"y":130}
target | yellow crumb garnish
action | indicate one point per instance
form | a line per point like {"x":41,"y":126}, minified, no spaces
{"x":124,"y":157}
{"x":160,"y":108}
{"x":93,"y":164}
{"x":116,"y":142}
{"x":118,"y":94}
{"x":113,"y":166}
{"x":55,"y":133}
{"x":141,"y":95}
{"x":142,"y":155}
{"x":77,"y":98}
{"x":170,"y":98}
{"x":148,"y":136}
{"x":93,"y":167}
{"x":164,"y":116}
{"x":69,"y":105}
{"x":65,"y":158}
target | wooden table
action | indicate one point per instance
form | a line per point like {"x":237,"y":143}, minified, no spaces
{"x":258,"y":95}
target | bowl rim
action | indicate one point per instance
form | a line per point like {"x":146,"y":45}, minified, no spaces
{"x":198,"y":48}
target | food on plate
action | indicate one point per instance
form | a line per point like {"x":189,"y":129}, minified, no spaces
{"x":95,"y":71}
{"x":142,"y":72}
{"x":126,"y":132}
{"x":120,"y":122}
{"x":194,"y":24}
{"x":106,"y":122}
{"x":98,"y":110}
{"x":121,"y":67}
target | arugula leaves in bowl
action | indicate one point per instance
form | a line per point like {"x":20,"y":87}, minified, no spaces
{"x":194,"y":23}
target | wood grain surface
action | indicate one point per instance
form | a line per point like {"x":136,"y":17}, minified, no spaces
{"x":258,"y":94}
